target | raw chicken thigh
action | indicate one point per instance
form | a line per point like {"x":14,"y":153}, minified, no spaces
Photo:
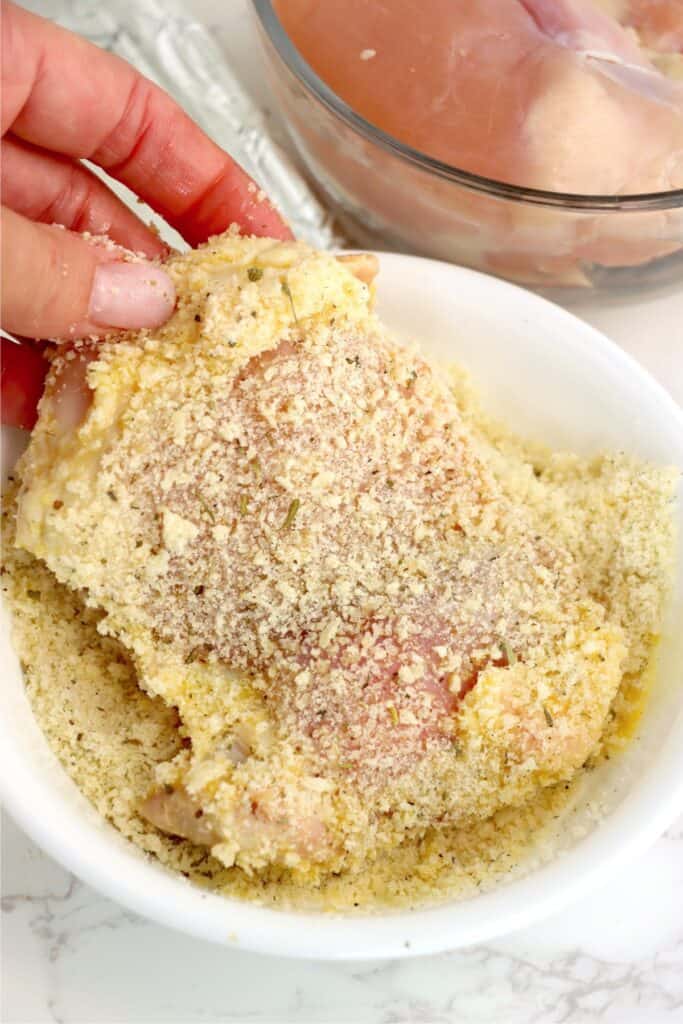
{"x":659,"y":23}
{"x":286,"y":521}
{"x":556,"y":95}
{"x":550,"y":94}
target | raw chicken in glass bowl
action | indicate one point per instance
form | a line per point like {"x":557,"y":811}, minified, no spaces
{"x":538,"y":140}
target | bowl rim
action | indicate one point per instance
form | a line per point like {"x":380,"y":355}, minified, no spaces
{"x":75,"y":838}
{"x":581,"y":202}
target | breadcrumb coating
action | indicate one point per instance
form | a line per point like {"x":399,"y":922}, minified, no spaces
{"x":381,"y":621}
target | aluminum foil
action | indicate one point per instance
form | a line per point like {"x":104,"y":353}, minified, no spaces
{"x":176,"y":51}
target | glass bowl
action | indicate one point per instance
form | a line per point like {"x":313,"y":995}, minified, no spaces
{"x":387,"y":195}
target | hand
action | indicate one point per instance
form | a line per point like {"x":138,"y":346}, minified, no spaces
{"x":63,"y":101}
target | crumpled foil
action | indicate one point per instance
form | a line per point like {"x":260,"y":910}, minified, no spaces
{"x":176,"y":51}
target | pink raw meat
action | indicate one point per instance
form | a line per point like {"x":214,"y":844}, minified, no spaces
{"x":659,"y":23}
{"x":553,"y":94}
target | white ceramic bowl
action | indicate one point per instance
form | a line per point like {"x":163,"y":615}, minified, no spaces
{"x":556,"y":379}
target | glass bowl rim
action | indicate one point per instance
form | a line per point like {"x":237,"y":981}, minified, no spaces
{"x":579,"y":202}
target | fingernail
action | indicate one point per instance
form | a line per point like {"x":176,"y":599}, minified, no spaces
{"x":130,"y":295}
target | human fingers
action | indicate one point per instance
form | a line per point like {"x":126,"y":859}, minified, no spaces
{"x":22,"y":374}
{"x":55,"y":190}
{"x":64,"y":94}
{"x":55,"y":284}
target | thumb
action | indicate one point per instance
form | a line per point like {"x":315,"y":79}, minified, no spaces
{"x":56,"y":284}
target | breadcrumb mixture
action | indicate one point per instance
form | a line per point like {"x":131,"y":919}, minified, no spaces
{"x":315,"y":613}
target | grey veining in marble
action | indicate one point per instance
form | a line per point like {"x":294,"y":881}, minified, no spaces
{"x":73,"y":956}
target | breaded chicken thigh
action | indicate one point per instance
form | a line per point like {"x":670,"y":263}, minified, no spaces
{"x":288,"y":524}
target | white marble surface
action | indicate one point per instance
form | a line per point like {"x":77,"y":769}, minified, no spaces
{"x":69,"y":955}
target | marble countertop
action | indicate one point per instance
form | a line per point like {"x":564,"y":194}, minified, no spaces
{"x":69,"y":955}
